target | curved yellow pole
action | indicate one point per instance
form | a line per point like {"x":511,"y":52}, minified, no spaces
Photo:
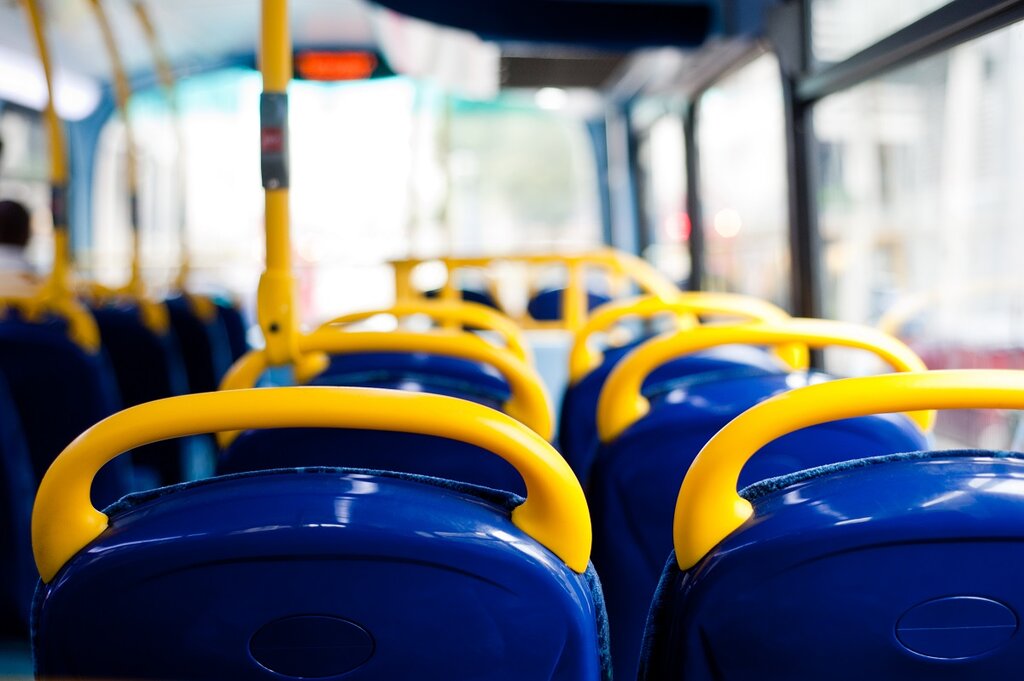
{"x":60,"y":277}
{"x":709,"y":508}
{"x":555,"y":511}
{"x":584,"y":358}
{"x":621,"y":403}
{"x":122,"y":94}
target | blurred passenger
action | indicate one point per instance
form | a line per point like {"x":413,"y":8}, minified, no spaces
{"x":17,"y":276}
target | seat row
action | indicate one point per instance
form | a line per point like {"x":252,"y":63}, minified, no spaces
{"x":338,"y":507}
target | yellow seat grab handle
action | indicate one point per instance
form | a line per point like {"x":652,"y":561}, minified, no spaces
{"x":584,"y":357}
{"x":709,"y":508}
{"x":529,"y":402}
{"x":555,"y":511}
{"x":621,"y":403}
{"x":458,"y":312}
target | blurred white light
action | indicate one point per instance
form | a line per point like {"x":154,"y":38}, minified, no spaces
{"x":728,"y":223}
{"x":22,"y":82}
{"x":551,"y":98}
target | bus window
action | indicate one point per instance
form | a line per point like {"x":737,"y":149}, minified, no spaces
{"x":921,"y":209}
{"x":662,"y":181}
{"x":523,"y":177}
{"x":23,"y":176}
{"x":840,"y":28}
{"x":741,"y":137}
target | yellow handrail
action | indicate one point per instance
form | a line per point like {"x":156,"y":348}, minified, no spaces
{"x":461,"y":313}
{"x":686,"y":306}
{"x":555,"y":511}
{"x":55,"y":296}
{"x":202,"y":306}
{"x":528,"y":403}
{"x":154,"y":314}
{"x":617,"y":264}
{"x":709,"y":509}
{"x":621,"y":403}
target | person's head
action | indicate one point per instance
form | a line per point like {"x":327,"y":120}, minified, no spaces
{"x":15,"y":225}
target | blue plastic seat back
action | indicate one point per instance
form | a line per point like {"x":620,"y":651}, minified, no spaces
{"x":419,"y":454}
{"x":204,"y":345}
{"x":419,"y":372}
{"x":546,"y":305}
{"x":405,"y":452}
{"x":236,"y":328}
{"x":904,"y":567}
{"x":148,"y":366}
{"x":316,"y":574}
{"x":577,"y":431}
{"x":635,"y":480}
{"x":59,"y":391}
{"x":17,"y":569}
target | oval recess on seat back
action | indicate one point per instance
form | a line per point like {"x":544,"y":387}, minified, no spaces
{"x":956,"y":627}
{"x":311,"y":646}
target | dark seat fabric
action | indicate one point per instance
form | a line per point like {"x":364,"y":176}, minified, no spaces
{"x":577,"y":431}
{"x":236,"y":328}
{"x":148,"y":366}
{"x":899,"y":567}
{"x":419,"y":454}
{"x":17,"y":569}
{"x":316,"y":573}
{"x":407,"y":453}
{"x":60,"y":390}
{"x":635,"y":480}
{"x":546,"y":305}
{"x":205,"y":347}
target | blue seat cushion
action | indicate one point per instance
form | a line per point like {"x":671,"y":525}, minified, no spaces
{"x":59,"y":390}
{"x":902,"y":566}
{"x":17,"y":490}
{"x":319,"y":573}
{"x":635,"y":480}
{"x":236,"y":328}
{"x":546,"y":305}
{"x":577,"y":437}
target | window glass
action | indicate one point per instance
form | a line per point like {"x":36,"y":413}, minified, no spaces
{"x":380,"y":169}
{"x":24,"y":177}
{"x":662,"y":169}
{"x":522,"y":179}
{"x":841,"y":28}
{"x":921,"y":211}
{"x":742,"y":142}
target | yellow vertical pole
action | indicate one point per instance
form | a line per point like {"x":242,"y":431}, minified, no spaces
{"x":59,"y":283}
{"x":574,"y":298}
{"x":276,"y":308}
{"x":122,"y":93}
{"x":167,"y":80}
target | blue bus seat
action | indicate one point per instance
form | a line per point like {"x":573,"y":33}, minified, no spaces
{"x":148,"y":366}
{"x":205,"y":346}
{"x":897,"y":567}
{"x":577,"y":432}
{"x":235,"y":326}
{"x":546,"y":305}
{"x":59,"y":390}
{"x":17,"y":489}
{"x":319,"y":572}
{"x":635,"y":478}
